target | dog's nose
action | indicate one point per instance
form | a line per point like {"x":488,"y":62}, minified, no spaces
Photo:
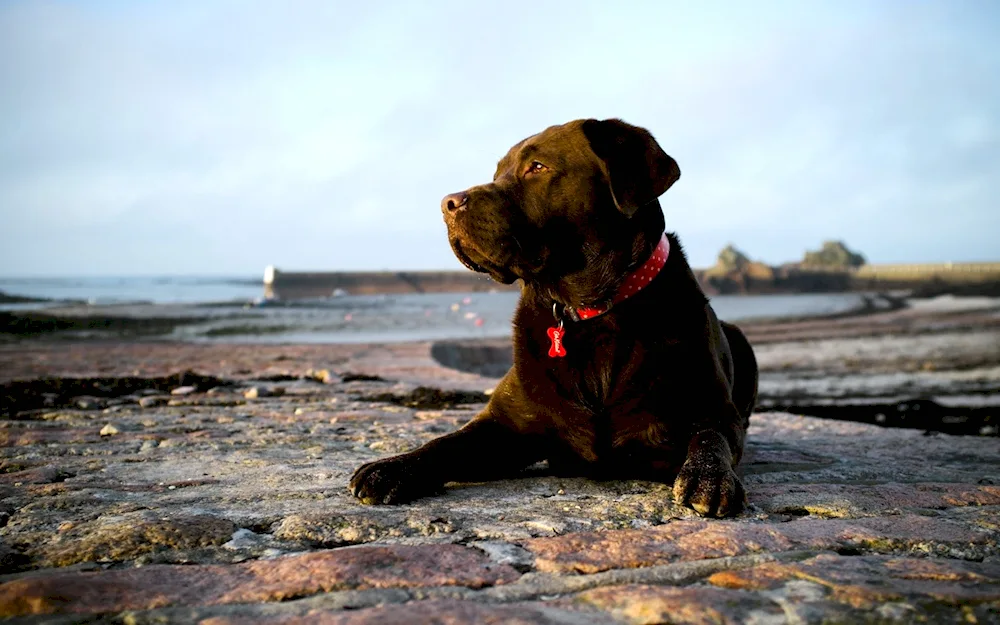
{"x":454,"y":202}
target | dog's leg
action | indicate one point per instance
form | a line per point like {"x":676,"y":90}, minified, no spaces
{"x":708,"y":482}
{"x":490,"y":447}
{"x":483,"y":450}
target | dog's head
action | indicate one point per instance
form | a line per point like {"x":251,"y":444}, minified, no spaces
{"x":570,"y":209}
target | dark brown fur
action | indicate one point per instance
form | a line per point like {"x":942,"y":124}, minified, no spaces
{"x":657,"y":388}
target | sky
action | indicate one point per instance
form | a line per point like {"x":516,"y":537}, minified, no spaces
{"x":206,"y":137}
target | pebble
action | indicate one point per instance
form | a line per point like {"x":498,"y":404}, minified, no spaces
{"x":88,"y":403}
{"x":152,"y":401}
{"x":320,"y":375}
{"x":183,"y":390}
{"x":109,"y":430}
{"x":243,"y":539}
{"x":260,"y":391}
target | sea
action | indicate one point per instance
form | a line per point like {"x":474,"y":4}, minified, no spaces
{"x":233,"y":309}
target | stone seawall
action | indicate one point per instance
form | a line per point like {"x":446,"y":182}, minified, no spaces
{"x":295,"y":285}
{"x":942,"y":276}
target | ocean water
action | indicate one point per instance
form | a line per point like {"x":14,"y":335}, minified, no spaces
{"x":123,"y":289}
{"x":232,"y":309}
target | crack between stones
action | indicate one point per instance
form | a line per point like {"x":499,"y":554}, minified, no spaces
{"x":529,"y":587}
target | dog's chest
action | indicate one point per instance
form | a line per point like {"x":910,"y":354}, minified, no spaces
{"x":611,"y":404}
{"x":606,"y":371}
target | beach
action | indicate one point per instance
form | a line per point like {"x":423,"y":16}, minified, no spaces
{"x":156,"y":480}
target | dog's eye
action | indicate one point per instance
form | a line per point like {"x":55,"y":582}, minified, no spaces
{"x":535,"y":167}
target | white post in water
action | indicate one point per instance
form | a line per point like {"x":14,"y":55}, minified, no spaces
{"x":270,"y":274}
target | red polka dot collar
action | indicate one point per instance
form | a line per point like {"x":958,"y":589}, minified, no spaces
{"x":635,"y":282}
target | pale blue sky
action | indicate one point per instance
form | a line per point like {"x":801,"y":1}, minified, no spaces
{"x":205,"y":137}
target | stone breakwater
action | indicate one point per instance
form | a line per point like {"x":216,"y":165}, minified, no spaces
{"x":220,"y":497}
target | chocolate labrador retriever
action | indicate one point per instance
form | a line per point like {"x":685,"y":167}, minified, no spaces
{"x":621,"y":368}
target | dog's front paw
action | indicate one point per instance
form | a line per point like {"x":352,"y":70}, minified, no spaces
{"x":392,"y":480}
{"x":712,"y":488}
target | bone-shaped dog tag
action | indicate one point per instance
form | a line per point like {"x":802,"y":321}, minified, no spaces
{"x":556,"y":336}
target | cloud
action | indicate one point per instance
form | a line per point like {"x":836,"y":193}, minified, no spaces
{"x":219,"y":137}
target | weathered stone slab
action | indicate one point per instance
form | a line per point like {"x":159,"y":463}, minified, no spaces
{"x":858,"y":500}
{"x":437,"y":612}
{"x":124,"y":537}
{"x":694,"y":605}
{"x":263,"y":580}
{"x":224,"y":484}
{"x":870,"y":581}
{"x":591,"y":552}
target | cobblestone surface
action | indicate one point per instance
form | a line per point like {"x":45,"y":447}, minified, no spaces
{"x":212,"y":506}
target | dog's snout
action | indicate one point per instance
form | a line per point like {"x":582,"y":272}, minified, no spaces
{"x":454,"y":202}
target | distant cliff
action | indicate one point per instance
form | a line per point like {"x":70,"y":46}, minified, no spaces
{"x":836,"y":268}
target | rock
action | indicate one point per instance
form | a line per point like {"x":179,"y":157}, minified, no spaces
{"x":320,"y":530}
{"x":244,"y":539}
{"x":259,"y":391}
{"x":152,"y":401}
{"x":176,"y":524}
{"x":10,"y":558}
{"x":650,"y":605}
{"x":392,"y":566}
{"x":867,"y":582}
{"x":36,"y":475}
{"x":443,"y":612}
{"x":854,"y":500}
{"x":109,"y":430}
{"x":507,"y":553}
{"x":322,"y":375}
{"x":731,"y":259}
{"x":833,"y":254}
{"x":592,"y":552}
{"x":117,"y":538}
{"x":89,"y":403}
{"x":184,"y":390}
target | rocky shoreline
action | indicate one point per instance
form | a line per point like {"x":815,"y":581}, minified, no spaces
{"x":131,"y":491}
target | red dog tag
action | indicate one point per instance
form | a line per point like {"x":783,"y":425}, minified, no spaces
{"x":556,"y":335}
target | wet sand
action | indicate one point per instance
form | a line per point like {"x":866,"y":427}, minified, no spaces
{"x":941,"y":356}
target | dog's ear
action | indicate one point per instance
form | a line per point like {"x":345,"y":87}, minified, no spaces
{"x":637,"y":167}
